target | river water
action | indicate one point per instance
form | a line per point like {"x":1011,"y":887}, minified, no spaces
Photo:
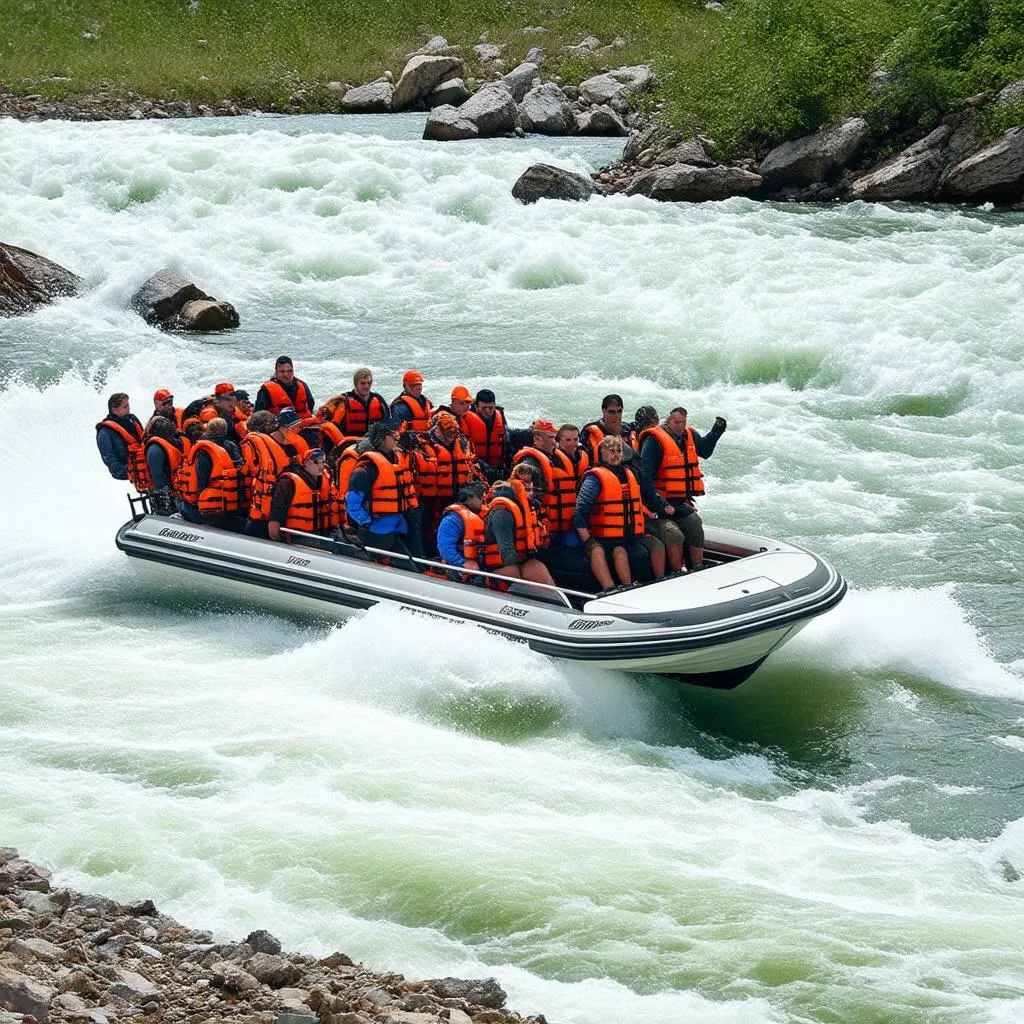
{"x":840,"y":839}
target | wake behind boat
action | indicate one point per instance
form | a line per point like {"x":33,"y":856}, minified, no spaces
{"x":711,"y":628}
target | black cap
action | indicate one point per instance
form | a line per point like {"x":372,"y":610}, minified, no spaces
{"x":242,"y":396}
{"x":485,"y":395}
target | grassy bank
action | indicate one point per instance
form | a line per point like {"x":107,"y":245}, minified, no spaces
{"x":757,"y":71}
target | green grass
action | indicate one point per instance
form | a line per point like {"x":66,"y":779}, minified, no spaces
{"x":757,"y":72}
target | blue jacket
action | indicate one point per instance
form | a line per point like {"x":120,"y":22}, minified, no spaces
{"x":113,"y":449}
{"x":360,"y":487}
{"x":450,"y":532}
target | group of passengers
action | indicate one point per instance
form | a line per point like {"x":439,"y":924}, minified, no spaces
{"x":406,"y":480}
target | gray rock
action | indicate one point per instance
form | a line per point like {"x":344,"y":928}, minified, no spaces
{"x":491,"y":109}
{"x":421,"y":76}
{"x":691,"y":151}
{"x":24,"y":995}
{"x":600,"y":121}
{"x":542,"y":181}
{"x":373,"y":98}
{"x":1010,"y":94}
{"x":35,"y":949}
{"x":487,"y":52}
{"x":686,"y":183}
{"x":479,"y":993}
{"x":535,"y":55}
{"x":908,"y":175}
{"x":656,"y":138}
{"x":273,"y":970}
{"x":232,"y":977}
{"x":814,"y":158}
{"x":134,"y":987}
{"x":584,"y":46}
{"x":261,"y":941}
{"x":995,"y":174}
{"x":616,"y":84}
{"x":446,"y":124}
{"x":519,"y":80}
{"x":204,"y":315}
{"x":452,"y":93}
{"x":28,"y":280}
{"x":172,"y":302}
{"x":546,"y":110}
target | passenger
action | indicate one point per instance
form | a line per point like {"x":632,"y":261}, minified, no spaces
{"x":412,"y":407}
{"x":379,"y":494}
{"x":671,"y":478}
{"x":459,"y":404}
{"x":302,"y":500}
{"x":212,"y":481}
{"x":660,"y":528}
{"x":225,"y":406}
{"x":285,"y":389}
{"x":270,"y":446}
{"x":460,"y":537}
{"x":609,"y":516}
{"x":243,"y":410}
{"x":568,"y":441}
{"x":163,"y":405}
{"x":609,"y":425}
{"x":453,"y":466}
{"x":309,"y":431}
{"x":484,"y":425}
{"x":119,"y":439}
{"x":354,"y":412}
{"x":512,"y":530}
{"x":192,"y":429}
{"x":417,"y":460}
{"x":556,"y":470}
{"x":164,"y":452}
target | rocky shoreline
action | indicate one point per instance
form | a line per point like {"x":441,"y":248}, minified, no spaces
{"x":74,"y":957}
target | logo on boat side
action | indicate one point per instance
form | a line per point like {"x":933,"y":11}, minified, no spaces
{"x":585,"y":624}
{"x":295,"y":560}
{"x":516,"y":613}
{"x":180,"y":535}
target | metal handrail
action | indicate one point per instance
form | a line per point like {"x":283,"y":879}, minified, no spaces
{"x":562,"y":592}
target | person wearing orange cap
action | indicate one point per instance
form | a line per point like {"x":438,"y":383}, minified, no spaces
{"x":412,"y":408}
{"x":225,"y":405}
{"x":285,"y":389}
{"x":163,"y":405}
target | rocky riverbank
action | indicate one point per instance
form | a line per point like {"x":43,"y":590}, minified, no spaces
{"x":69,"y":956}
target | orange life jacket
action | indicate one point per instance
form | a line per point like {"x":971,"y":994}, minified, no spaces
{"x":174,"y":457}
{"x":138,"y":471}
{"x":528,"y":531}
{"x":225,"y":490}
{"x":241,"y":424}
{"x":279,"y":397}
{"x":488,"y":438}
{"x":331,"y":437}
{"x":421,"y":409}
{"x":678,"y":474}
{"x":618,"y":512}
{"x":592,"y":434}
{"x":312,"y":511}
{"x":348,"y":412}
{"x":449,"y":470}
{"x":472,"y":532}
{"x":390,"y":493}
{"x":559,"y":486}
{"x":266,"y":460}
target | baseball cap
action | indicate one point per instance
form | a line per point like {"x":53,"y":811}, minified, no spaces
{"x":224,"y":389}
{"x":543,"y":427}
{"x":314,"y":455}
{"x":412,"y":377}
{"x":288,"y":417}
{"x":461,"y":394}
{"x":162,"y":395}
{"x":242,"y":396}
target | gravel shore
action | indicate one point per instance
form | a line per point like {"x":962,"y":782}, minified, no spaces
{"x":68,"y":956}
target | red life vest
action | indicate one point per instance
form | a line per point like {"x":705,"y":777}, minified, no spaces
{"x":266,"y":460}
{"x":174,"y":457}
{"x":618,"y":513}
{"x":592,"y":434}
{"x":472,"y":532}
{"x":311,"y":511}
{"x":450,"y":469}
{"x":138,"y":471}
{"x":279,"y":398}
{"x":678,"y":474}
{"x":223,"y":493}
{"x":488,"y":438}
{"x":559,"y":486}
{"x":421,"y":409}
{"x":528,"y":532}
{"x":390,"y":494}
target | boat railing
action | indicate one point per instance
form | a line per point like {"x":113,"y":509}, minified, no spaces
{"x":334,"y":544}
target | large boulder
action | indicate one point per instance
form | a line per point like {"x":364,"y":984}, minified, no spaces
{"x":488,"y":112}
{"x":453,"y":93}
{"x":373,"y":98}
{"x":615,"y":85}
{"x":173,"y":303}
{"x":689,"y":151}
{"x":421,"y":76}
{"x":819,"y":157}
{"x":519,"y":80}
{"x":542,"y":181}
{"x":686,"y":183}
{"x":28,"y":280}
{"x":546,"y":110}
{"x":995,"y":174}
{"x":600,"y":121}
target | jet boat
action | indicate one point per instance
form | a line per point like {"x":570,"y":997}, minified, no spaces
{"x":710,"y":628}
